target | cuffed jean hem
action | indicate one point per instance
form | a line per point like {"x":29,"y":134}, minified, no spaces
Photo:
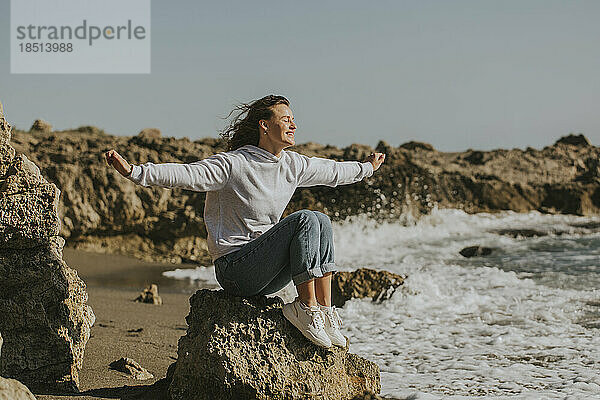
{"x":328,"y":267}
{"x":316,"y":272}
{"x":306,"y":276}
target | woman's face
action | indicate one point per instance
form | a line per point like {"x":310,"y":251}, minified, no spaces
{"x":280,"y":128}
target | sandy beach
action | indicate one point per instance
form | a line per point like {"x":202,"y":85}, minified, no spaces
{"x":113,"y":282}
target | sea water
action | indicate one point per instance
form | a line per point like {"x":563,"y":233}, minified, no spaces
{"x":521,"y":323}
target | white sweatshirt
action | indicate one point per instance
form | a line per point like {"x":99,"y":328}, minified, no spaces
{"x":248,"y":188}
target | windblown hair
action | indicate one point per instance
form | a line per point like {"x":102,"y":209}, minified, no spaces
{"x":243,"y":128}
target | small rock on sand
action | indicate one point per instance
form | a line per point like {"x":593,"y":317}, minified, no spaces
{"x":149,"y":295}
{"x":131,"y":367}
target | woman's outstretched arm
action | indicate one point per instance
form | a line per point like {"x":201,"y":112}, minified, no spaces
{"x":205,"y":175}
{"x":322,"y":171}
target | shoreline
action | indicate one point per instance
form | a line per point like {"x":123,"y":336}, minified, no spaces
{"x":115,"y":271}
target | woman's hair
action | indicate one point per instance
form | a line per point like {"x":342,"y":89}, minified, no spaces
{"x":243,"y":128}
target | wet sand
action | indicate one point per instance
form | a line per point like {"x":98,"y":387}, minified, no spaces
{"x":113,"y":282}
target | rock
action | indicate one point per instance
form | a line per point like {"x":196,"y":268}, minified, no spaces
{"x":244,"y":348}
{"x":476,"y":251}
{"x":90,"y":129}
{"x":591,"y":225}
{"x":517,"y":233}
{"x":384,"y":147}
{"x":475,"y":157}
{"x":149,"y":138}
{"x":11,"y":389}
{"x":364,"y":282}
{"x":150,"y":133}
{"x":357,"y":152}
{"x":1,"y":341}
{"x":574,"y":140}
{"x":412,"y":145}
{"x":149,"y":295}
{"x":7,"y":153}
{"x":43,"y":316}
{"x":131,"y":367}
{"x":40,"y":125}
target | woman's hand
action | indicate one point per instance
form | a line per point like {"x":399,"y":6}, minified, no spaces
{"x":376,"y":159}
{"x":113,"y":158}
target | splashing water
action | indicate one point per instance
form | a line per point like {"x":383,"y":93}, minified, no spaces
{"x":521,"y":323}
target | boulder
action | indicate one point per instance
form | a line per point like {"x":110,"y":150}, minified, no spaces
{"x":132,"y":368}
{"x":474,"y":251}
{"x":7,"y":153}
{"x":93,"y":130}
{"x":574,"y":140}
{"x":364,"y":282}
{"x":148,"y":137}
{"x":520,"y":233}
{"x":475,"y":157}
{"x":11,"y":389}
{"x":412,"y":145}
{"x":43,"y":316}
{"x":150,"y":133}
{"x":40,"y":125}
{"x":357,"y":152}
{"x":149,"y":295}
{"x":244,"y":348}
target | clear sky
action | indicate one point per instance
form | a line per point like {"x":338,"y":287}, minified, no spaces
{"x":457,"y":74}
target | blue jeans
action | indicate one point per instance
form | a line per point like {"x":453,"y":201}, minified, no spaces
{"x":298,"y":248}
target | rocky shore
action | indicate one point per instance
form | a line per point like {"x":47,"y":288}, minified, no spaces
{"x":103,"y":212}
{"x":234,"y":348}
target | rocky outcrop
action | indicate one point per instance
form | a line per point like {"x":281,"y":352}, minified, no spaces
{"x":44,"y":320}
{"x":244,"y":348}
{"x":363,"y":282}
{"x":103,"y":212}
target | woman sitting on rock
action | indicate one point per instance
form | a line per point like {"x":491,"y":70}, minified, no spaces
{"x":248,"y":188}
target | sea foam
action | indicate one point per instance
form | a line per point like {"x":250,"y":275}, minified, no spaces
{"x":518,"y":323}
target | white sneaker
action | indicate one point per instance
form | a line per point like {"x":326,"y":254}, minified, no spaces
{"x":333,"y":323}
{"x":308,"y":320}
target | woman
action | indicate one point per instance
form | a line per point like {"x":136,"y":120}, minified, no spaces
{"x":248,"y":188}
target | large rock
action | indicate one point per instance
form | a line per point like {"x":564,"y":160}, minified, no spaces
{"x":44,"y":320}
{"x":244,"y":348}
{"x":41,"y":126}
{"x":364,"y":282}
